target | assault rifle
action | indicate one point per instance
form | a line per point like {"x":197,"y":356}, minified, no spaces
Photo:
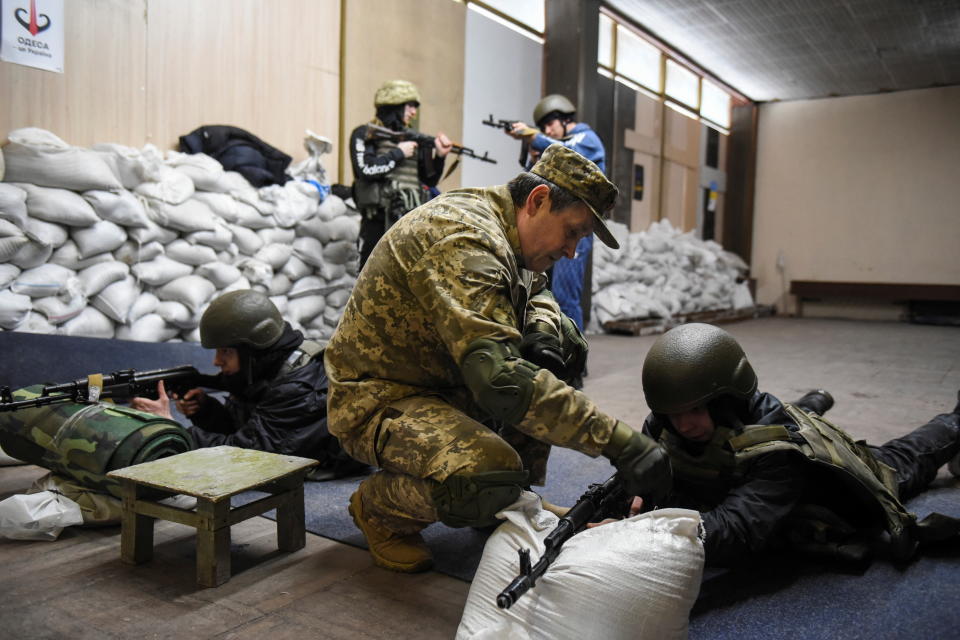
{"x":601,"y":500}
{"x":377,"y":132}
{"x":123,"y":384}
{"x":507,"y":125}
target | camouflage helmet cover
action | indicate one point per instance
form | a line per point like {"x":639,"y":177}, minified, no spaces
{"x":551,"y":103}
{"x":692,"y":364}
{"x":244,"y":317}
{"x":395,"y":92}
{"x":569,"y":170}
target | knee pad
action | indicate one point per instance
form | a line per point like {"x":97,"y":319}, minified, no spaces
{"x":473,"y":499}
{"x":500,"y":381}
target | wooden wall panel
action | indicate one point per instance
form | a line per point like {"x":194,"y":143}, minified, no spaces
{"x":416,"y":40}
{"x":100,"y":96}
{"x":270,"y":67}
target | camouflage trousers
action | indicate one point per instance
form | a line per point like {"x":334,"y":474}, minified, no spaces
{"x":419,"y":442}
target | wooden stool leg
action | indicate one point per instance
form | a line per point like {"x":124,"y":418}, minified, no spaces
{"x":291,"y":522}
{"x":213,"y":543}
{"x":136,"y":532}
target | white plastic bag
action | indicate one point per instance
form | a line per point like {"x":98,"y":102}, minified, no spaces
{"x":37,"y":516}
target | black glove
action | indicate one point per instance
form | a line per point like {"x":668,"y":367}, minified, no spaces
{"x":544,"y":350}
{"x":575,"y":348}
{"x":644,"y":467}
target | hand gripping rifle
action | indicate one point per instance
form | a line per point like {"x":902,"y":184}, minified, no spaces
{"x":376,"y":132}
{"x":118,"y":385}
{"x":608,"y":499}
{"x":507,"y":125}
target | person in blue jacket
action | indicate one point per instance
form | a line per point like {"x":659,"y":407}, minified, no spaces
{"x":555,"y":117}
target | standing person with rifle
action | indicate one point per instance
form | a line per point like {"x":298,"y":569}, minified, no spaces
{"x":277,"y":385}
{"x":555,"y":117}
{"x":444,"y":367}
{"x":392,"y":178}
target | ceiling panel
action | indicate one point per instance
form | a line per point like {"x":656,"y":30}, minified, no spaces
{"x":797,"y":49}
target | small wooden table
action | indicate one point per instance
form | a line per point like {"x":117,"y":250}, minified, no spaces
{"x":212,"y":476}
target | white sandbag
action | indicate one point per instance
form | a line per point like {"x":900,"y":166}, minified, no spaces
{"x":68,"y":255}
{"x":247,"y":240}
{"x":296,"y":268}
{"x":8,"y":229}
{"x":256,"y":272}
{"x":239,"y":285}
{"x":293,"y":201}
{"x":177,"y":314}
{"x":331,"y":207}
{"x":101,"y":237}
{"x":635,"y":578}
{"x":307,"y":286}
{"x":95,"y":278}
{"x":8,"y":273}
{"x":330,"y":315}
{"x":219,"y":239}
{"x":160,"y":271}
{"x":132,"y":252}
{"x":277,"y":235}
{"x":37,"y":516}
{"x":121,"y":207}
{"x":338,"y":299}
{"x":64,"y":306}
{"x":46,"y":233}
{"x":192,"y":254}
{"x":152,"y":233}
{"x":343,"y":282}
{"x":126,"y":163}
{"x":332,"y":272}
{"x":307,"y":308}
{"x":10,"y":246}
{"x":344,"y":228}
{"x":315,"y":227}
{"x":279,"y":285}
{"x":13,"y":309}
{"x":275,"y":255}
{"x":167,"y":185}
{"x":39,"y":157}
{"x":32,"y":254}
{"x":91,"y":322}
{"x":230,"y":182}
{"x":145,"y":303}
{"x":187,"y":217}
{"x":37,"y":323}
{"x":204,"y":171}
{"x":192,"y":291}
{"x":222,"y":205}
{"x":191,"y":335}
{"x":116,"y":299}
{"x":339,"y":252}
{"x":45,"y":280}
{"x":13,"y":204}
{"x":219,"y":273}
{"x":149,"y":328}
{"x":229,"y":254}
{"x":250,"y":217}
{"x":309,"y":250}
{"x":280,"y":302}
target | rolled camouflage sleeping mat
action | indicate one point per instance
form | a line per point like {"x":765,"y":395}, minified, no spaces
{"x":85,"y":441}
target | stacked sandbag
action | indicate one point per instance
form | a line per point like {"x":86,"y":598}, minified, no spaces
{"x":131,"y":243}
{"x":662,"y":272}
{"x":634,"y":578}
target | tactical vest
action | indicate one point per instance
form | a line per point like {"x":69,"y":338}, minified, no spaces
{"x":396,"y":194}
{"x":857,"y":477}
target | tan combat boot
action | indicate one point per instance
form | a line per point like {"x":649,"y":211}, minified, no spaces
{"x":404,"y":553}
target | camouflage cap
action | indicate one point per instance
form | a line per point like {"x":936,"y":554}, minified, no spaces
{"x":569,"y":170}
{"x":396,"y":92}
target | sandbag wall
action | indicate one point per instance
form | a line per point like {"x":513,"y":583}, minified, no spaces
{"x":118,"y":242}
{"x":662,"y":272}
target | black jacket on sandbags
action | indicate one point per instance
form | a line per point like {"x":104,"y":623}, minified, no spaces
{"x":241,"y":151}
{"x":282,"y":410}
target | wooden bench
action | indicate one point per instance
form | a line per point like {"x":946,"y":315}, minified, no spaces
{"x":212,"y":476}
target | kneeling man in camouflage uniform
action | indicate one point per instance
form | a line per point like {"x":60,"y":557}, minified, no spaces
{"x":431,"y":369}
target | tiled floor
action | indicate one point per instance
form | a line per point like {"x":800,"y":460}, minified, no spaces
{"x":885,"y":377}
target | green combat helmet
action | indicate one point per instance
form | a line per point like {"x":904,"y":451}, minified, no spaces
{"x":394,"y":92}
{"x":693,"y":364}
{"x":245,"y":317}
{"x":549,"y":104}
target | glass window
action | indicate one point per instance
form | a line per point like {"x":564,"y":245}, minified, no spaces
{"x":716,"y":104}
{"x":528,"y":12}
{"x":637,"y":59}
{"x":605,"y":42}
{"x":682,"y":84}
